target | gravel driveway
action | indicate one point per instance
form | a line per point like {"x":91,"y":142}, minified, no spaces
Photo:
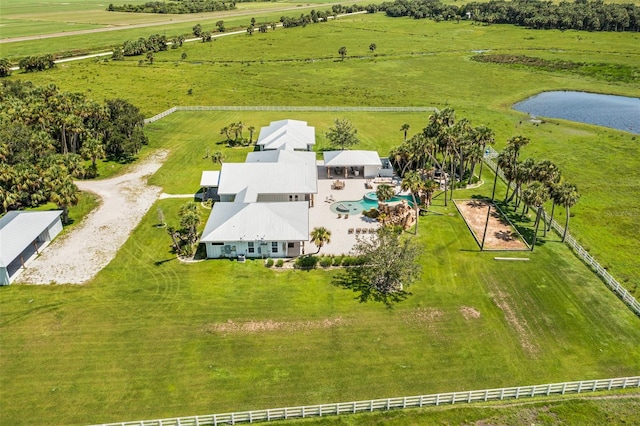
{"x":76,"y":257}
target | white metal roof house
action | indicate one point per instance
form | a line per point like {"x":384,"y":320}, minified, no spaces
{"x":287,"y":134}
{"x":23,"y":235}
{"x":256,"y":230}
{"x":356,"y":162}
{"x":268,"y":182}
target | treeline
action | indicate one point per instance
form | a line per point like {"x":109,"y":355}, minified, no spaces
{"x":578,"y":15}
{"x":316,"y":16}
{"x":174,"y":7}
{"x":47,"y":135}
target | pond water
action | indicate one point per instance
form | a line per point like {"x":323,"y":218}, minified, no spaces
{"x":618,"y":112}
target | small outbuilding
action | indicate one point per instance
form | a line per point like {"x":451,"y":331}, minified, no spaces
{"x":22,"y":236}
{"x":352,"y":163}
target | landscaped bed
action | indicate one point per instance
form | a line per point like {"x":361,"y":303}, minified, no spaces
{"x":500,"y":234}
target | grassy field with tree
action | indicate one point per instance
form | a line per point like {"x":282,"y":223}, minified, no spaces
{"x":152,"y":337}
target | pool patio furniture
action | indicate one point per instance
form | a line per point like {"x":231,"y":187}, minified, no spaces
{"x":339,"y":216}
{"x":350,"y":231}
{"x":358,"y":230}
{"x":346,"y":216}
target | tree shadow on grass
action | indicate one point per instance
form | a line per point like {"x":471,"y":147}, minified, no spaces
{"x":353,"y":279}
{"x":161,"y":262}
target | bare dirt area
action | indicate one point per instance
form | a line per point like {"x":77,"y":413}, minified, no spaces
{"x":500,"y":234}
{"x":78,"y":256}
{"x":270,"y":326}
{"x":469,"y":313}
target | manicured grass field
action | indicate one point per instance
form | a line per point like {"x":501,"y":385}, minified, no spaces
{"x":140,"y":341}
{"x":590,"y":411}
{"x":151,"y":337}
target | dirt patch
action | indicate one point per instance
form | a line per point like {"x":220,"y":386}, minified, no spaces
{"x":270,"y":326}
{"x":519,"y":325}
{"x":79,"y":255}
{"x":469,"y":313}
{"x":423,"y":315}
{"x":500,"y":234}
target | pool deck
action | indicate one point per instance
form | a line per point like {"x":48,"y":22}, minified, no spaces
{"x":321,"y":214}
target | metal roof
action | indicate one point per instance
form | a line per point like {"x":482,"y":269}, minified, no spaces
{"x":288,"y":221}
{"x":18,"y":229}
{"x":287,"y":134}
{"x":210,"y":179}
{"x":268,"y":178}
{"x":351,"y":158}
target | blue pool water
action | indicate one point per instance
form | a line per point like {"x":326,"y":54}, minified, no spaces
{"x":369,"y":201}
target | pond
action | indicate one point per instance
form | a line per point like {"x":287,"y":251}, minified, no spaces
{"x":617,"y":112}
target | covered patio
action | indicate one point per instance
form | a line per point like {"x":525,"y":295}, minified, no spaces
{"x":351,"y":164}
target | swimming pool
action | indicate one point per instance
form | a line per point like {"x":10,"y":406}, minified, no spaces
{"x":368,"y":202}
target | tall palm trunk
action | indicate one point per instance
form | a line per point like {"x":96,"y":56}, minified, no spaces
{"x":566,"y":225}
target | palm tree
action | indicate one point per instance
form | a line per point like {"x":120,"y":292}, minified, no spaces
{"x":483,"y":136}
{"x":342,"y":52}
{"x":405,"y":129}
{"x":190,"y":220}
{"x":413,"y":183}
{"x":569,"y":196}
{"x":64,"y":193}
{"x":320,"y":236}
{"x":430,"y":186}
{"x":384,"y":192}
{"x":217,"y":157}
{"x":536,"y":195}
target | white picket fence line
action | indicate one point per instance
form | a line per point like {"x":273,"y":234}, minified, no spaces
{"x":611,"y":282}
{"x":288,"y":109}
{"x":354,"y":407}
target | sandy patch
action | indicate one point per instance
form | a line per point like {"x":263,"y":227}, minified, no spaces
{"x":469,"y":313}
{"x":77,"y":257}
{"x":269,"y":326}
{"x":519,"y":325}
{"x":500,"y":234}
{"x":423,"y":315}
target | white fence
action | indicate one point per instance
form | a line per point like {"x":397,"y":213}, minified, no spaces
{"x":611,"y":282}
{"x":393,"y":403}
{"x":288,"y":108}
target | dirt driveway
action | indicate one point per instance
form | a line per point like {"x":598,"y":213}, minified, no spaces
{"x":76,"y":257}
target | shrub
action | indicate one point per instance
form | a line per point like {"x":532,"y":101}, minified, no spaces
{"x":337,"y":261}
{"x":372,"y":213}
{"x":326,"y":261}
{"x":279,"y":263}
{"x":268,"y":263}
{"x":306,"y":262}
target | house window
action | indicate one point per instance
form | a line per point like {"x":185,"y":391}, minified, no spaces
{"x":290,"y":245}
{"x":296,"y":197}
{"x":274,"y":247}
{"x":290,"y":197}
{"x":251,"y":248}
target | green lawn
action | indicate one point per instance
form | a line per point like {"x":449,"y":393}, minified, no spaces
{"x":151,"y":337}
{"x":140,"y":341}
{"x":574,"y":411}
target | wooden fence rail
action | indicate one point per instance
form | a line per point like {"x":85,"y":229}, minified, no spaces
{"x":611,"y":282}
{"x":450,"y":398}
{"x":288,"y":108}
